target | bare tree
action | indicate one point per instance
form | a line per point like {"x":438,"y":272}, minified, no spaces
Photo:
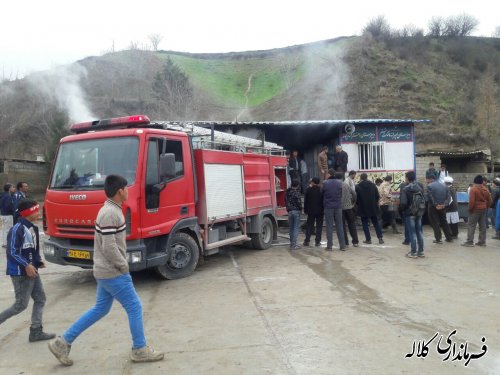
{"x":461,"y":25}
{"x":378,"y":27}
{"x":133,"y":45}
{"x":436,"y":27}
{"x":408,"y":31}
{"x":488,"y":114}
{"x":155,"y":40}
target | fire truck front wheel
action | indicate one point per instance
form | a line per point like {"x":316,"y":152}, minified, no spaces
{"x":264,"y":238}
{"x":184,"y":255}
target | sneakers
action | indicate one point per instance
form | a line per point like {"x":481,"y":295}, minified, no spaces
{"x":37,"y":334}
{"x":439,"y":242}
{"x":60,"y":348}
{"x":381,"y":241}
{"x":482,"y":244}
{"x":449,"y":240}
{"x":421,"y":255}
{"x":329,"y":248}
{"x":355,"y":244}
{"x":306,"y":244}
{"x":368,"y":242}
{"x":468,"y":244}
{"x":317,"y":244}
{"x":343,"y":248}
{"x":411,"y":255}
{"x":295,"y":247}
{"x":406,"y":242}
{"x":146,"y":354}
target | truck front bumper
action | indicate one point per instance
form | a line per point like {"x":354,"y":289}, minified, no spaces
{"x":60,"y":251}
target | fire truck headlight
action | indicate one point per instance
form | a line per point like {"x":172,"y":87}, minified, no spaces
{"x":49,"y":250}
{"x":134,"y":257}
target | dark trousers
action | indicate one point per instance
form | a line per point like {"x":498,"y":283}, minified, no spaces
{"x":437,"y":220}
{"x":388,"y":217}
{"x":349,"y":218}
{"x":24,"y":288}
{"x":311,"y":219}
{"x":454,"y":229}
{"x":376,"y":225}
{"x":304,"y":181}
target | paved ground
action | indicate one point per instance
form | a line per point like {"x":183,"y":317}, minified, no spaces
{"x":277,"y":312}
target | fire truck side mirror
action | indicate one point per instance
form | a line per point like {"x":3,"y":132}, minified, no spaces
{"x":167,"y":167}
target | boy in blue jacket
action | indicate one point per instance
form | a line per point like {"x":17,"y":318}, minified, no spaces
{"x":23,"y":262}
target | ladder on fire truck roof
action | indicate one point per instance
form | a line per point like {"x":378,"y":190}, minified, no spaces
{"x":205,"y":138}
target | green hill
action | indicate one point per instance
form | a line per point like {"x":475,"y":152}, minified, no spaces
{"x":442,"y":79}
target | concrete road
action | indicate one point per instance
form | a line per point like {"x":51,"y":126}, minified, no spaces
{"x":281,"y":312}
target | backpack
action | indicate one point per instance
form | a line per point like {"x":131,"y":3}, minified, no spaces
{"x":417,"y":206}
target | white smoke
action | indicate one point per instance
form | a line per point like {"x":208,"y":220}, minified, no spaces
{"x":62,"y":85}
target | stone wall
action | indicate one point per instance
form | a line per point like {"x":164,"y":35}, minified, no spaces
{"x":461,"y":180}
{"x":34,"y":173}
{"x":423,"y":165}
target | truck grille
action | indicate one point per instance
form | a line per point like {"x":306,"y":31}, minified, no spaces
{"x":76,"y":229}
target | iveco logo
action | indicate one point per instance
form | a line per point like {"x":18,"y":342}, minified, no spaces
{"x":77,"y":197}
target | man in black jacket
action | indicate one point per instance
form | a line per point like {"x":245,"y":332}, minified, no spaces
{"x":294,"y":208}
{"x":313,"y":207}
{"x":368,"y":208}
{"x":413,"y":219}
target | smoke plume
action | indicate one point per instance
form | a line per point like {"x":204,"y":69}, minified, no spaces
{"x":62,"y":86}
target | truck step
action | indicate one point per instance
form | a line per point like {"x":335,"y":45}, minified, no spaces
{"x":227,"y":241}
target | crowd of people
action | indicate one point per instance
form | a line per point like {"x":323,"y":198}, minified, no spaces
{"x":338,"y":201}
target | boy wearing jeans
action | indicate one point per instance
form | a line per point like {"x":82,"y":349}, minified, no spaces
{"x":113,"y":279}
{"x":23,"y":262}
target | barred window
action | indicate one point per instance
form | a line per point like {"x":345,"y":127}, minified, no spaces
{"x":371,"y":155}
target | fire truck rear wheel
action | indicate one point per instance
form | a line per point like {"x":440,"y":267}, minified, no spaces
{"x":264,"y":238}
{"x":184,"y":255}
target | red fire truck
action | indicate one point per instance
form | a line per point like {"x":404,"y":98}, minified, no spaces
{"x":191,"y":191}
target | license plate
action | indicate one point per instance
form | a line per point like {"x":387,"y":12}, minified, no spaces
{"x":78,"y":254}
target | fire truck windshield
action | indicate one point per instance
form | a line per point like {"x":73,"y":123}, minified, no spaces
{"x":84,"y":165}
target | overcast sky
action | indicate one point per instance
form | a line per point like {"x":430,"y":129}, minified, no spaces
{"x":37,"y":35}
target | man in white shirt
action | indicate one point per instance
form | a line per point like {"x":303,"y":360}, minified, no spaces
{"x":442,"y":173}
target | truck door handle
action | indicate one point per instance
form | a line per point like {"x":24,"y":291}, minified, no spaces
{"x":184,"y":210}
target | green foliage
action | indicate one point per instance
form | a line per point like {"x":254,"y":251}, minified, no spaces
{"x":227,"y":80}
{"x":172,"y":87}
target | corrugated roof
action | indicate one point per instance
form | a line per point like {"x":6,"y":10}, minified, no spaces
{"x":308,"y":122}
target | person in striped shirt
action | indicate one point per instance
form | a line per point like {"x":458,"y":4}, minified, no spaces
{"x":113,"y":279}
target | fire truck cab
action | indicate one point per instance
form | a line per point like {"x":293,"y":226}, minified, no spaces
{"x":190,"y":192}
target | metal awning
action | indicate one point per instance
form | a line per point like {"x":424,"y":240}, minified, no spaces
{"x":308,"y":122}
{"x":456,"y":154}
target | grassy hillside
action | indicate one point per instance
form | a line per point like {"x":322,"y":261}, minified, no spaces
{"x":229,"y":80}
{"x":355,"y":77}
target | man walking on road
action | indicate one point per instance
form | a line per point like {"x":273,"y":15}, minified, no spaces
{"x":113,"y":279}
{"x":23,"y":262}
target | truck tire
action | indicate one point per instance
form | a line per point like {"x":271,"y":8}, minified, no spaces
{"x":184,"y":256}
{"x":264,"y":238}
